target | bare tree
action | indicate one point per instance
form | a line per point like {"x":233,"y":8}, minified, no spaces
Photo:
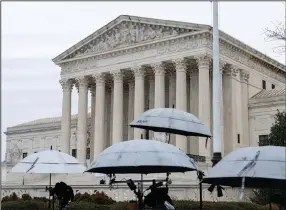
{"x":277,"y":33}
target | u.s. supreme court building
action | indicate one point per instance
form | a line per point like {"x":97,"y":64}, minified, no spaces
{"x":133,"y":64}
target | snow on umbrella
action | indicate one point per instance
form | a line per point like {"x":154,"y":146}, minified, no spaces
{"x":251,"y":167}
{"x":170,"y":120}
{"x":142,"y":157}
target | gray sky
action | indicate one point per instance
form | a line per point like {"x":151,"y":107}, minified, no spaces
{"x":33,"y":33}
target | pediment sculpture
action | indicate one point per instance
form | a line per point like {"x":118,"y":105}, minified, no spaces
{"x":127,"y":33}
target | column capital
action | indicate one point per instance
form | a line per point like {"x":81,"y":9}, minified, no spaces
{"x":138,"y":71}
{"x":92,"y":89}
{"x":244,"y":76}
{"x":180,"y":64}
{"x":117,"y":75}
{"x":231,"y":71}
{"x":222,"y":65}
{"x":66,"y":84}
{"x":99,"y":79}
{"x":158,"y":68}
{"x":81,"y":81}
{"x":203,"y":60}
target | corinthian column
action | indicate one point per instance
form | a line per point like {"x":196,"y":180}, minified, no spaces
{"x":139,"y":98}
{"x":117,"y":134}
{"x":159,"y":99}
{"x":99,"y":136}
{"x":172,"y":98}
{"x":222,"y":65}
{"x":204,"y":103}
{"x":244,"y":77}
{"x":230,"y":108}
{"x":82,"y":118}
{"x":92,"y":90}
{"x":66,"y":115}
{"x":181,"y":97}
{"x":130,"y":108}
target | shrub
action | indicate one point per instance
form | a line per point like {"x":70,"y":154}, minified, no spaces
{"x":42,"y":199}
{"x":12,"y":197}
{"x":26,"y":197}
{"x":24,"y":205}
{"x":98,"y":198}
{"x":86,"y":206}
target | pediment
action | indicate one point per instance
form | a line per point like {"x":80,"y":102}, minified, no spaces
{"x":127,"y":31}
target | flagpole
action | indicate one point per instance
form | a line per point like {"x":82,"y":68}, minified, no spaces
{"x":216,"y":88}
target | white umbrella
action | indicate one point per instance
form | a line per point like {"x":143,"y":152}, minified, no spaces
{"x":170,"y":120}
{"x":142,"y":157}
{"x":252,"y":167}
{"x":49,"y":162}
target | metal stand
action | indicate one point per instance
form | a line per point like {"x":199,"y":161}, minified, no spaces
{"x":200,"y":176}
{"x":140,"y":193}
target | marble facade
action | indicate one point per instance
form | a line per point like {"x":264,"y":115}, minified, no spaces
{"x":134,"y":64}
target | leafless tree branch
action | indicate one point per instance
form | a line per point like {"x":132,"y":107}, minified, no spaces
{"x":277,"y":33}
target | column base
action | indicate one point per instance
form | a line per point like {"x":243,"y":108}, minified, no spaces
{"x":216,"y":158}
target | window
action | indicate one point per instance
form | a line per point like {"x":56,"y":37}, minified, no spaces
{"x":87,"y":153}
{"x":264,"y":84}
{"x":238,"y":138}
{"x":74,"y":153}
{"x":273,"y":86}
{"x":25,"y":154}
{"x":263,"y":138}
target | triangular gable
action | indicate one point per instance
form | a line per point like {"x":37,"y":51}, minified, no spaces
{"x":126,"y":31}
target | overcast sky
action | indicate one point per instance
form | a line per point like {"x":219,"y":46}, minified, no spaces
{"x":33,"y":33}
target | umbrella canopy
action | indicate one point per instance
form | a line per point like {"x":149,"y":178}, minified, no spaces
{"x":169,"y":120}
{"x":259,"y":167}
{"x":50,"y":162}
{"x":142,"y":157}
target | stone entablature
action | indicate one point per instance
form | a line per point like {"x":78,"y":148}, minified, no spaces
{"x":179,"y":39}
{"x":182,"y":44}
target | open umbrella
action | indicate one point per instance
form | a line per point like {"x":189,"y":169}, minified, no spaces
{"x":170,"y":120}
{"x":49,"y":162}
{"x":173,"y":121}
{"x":251,"y":167}
{"x":141,"y":157}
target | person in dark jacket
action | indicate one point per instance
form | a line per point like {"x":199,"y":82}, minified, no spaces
{"x":64,"y":194}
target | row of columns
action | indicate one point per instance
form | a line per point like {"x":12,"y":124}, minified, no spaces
{"x":200,"y":101}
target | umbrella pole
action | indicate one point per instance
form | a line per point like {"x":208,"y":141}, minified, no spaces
{"x":200,"y":176}
{"x":201,"y":195}
{"x":270,"y":194}
{"x":50,"y":192}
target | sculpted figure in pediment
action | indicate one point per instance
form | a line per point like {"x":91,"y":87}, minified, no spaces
{"x":133,"y":33}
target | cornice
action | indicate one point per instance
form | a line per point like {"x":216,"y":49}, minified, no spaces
{"x":261,"y":64}
{"x":246,"y":48}
{"x":267,"y":100}
{"x":266,"y":104}
{"x":37,"y":128}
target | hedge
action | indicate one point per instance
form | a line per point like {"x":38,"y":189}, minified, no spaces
{"x":179,"y":205}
